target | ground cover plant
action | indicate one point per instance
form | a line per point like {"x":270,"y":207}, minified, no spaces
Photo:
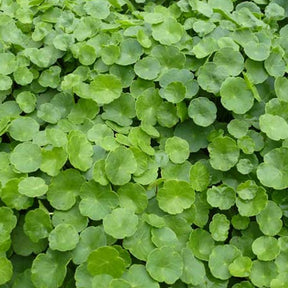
{"x":144,"y":144}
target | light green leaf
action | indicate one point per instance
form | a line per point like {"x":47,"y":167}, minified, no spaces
{"x":106,"y":260}
{"x":224,"y":153}
{"x":175,"y":196}
{"x":165,"y":265}
{"x":79,"y":150}
{"x":120,"y":223}
{"x":202,"y":111}
{"x":147,"y":68}
{"x":96,"y":200}
{"x":64,"y":189}
{"x":220,"y":259}
{"x":23,"y":128}
{"x":271,"y":172}
{"x":274,"y":126}
{"x":119,"y":165}
{"x":269,"y":219}
{"x":32,"y":187}
{"x":236,"y":95}
{"x":26,"y":157}
{"x":6,"y":270}
{"x":63,"y":237}
{"x":168,"y":32}
{"x":222,"y":197}
{"x":177,"y":149}
{"x":37,"y":224}
{"x":105,"y":88}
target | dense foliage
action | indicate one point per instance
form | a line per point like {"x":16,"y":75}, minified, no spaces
{"x":144,"y":144}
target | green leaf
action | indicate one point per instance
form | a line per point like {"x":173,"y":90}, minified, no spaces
{"x":199,"y":176}
{"x":32,"y":187}
{"x":238,"y":128}
{"x":37,"y":224}
{"x":5,"y":82}
{"x":69,"y":183}
{"x":236,"y":95}
{"x":281,"y":85}
{"x":224,"y":153}
{"x":165,"y":265}
{"x":49,"y":269}
{"x":105,"y":88}
{"x":138,"y":276}
{"x":140,"y":243}
{"x":90,"y":239}
{"x":222,"y":197}
{"x":8,"y":63}
{"x":262,"y":273}
{"x":79,"y":150}
{"x":72,"y":216}
{"x":26,"y":101}
{"x":8,"y":222}
{"x":87,"y":54}
{"x":50,"y":77}
{"x":211,"y":77}
{"x":6,"y":270}
{"x":266,"y":248}
{"x":274,"y":126}
{"x":100,"y":10}
{"x":147,"y":68}
{"x":269,"y":219}
{"x":106,"y":260}
{"x":23,"y":76}
{"x":130,"y":52}
{"x":257,"y":51}
{"x":53,"y":160}
{"x":12,"y":198}
{"x":253,"y":206}
{"x":175,"y":196}
{"x":23,"y":129}
{"x":177,"y":149}
{"x":201,"y":243}
{"x":271,"y":172}
{"x":97,"y":201}
{"x":119,"y":165}
{"x":174,"y":92}
{"x":168,"y":32}
{"x":133,"y":196}
{"x":63,"y":237}
{"x":219,"y":227}
{"x":120,"y":223}
{"x":220,"y":259}
{"x":240,"y":267}
{"x":193,"y":270}
{"x":232,"y":61}
{"x":202,"y":111}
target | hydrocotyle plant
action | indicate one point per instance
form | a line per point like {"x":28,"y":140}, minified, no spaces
{"x":143,"y":144}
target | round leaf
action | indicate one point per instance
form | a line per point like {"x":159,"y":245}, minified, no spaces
{"x":105,"y":260}
{"x":23,"y":129}
{"x":121,"y":223}
{"x":236,"y":96}
{"x":119,"y":165}
{"x":147,"y":68}
{"x":63,"y":237}
{"x":202,"y":111}
{"x":26,"y":157}
{"x":177,"y":149}
{"x":175,"y":196}
{"x":266,"y":248}
{"x":220,"y":259}
{"x":105,"y":88}
{"x":164,"y":265}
